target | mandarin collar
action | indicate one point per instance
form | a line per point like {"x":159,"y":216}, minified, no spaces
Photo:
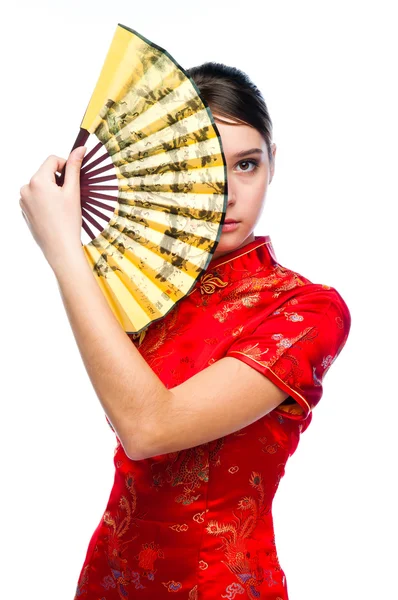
{"x":261,"y":243}
{"x":251,"y":258}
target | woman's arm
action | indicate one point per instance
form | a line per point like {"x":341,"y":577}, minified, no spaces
{"x":128,"y":389}
{"x":148,"y":418}
{"x":132,"y":395}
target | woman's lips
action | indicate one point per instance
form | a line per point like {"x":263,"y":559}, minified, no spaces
{"x":230,"y":225}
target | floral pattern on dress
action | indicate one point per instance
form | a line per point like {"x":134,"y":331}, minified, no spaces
{"x":197,"y":523}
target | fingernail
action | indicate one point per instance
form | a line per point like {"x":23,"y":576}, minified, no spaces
{"x":81,"y":151}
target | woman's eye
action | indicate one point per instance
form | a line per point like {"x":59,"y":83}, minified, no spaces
{"x":248,"y":162}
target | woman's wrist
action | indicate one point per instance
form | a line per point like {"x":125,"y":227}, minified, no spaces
{"x":67,"y":259}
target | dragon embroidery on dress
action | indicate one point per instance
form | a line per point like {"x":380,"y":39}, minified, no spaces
{"x":193,"y":469}
{"x":247,"y":292}
{"x":289,"y":279}
{"x":244,"y":295}
{"x":235,"y":541}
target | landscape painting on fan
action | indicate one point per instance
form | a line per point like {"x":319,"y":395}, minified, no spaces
{"x":166,"y":186}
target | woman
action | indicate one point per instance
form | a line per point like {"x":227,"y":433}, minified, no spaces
{"x":208,"y":403}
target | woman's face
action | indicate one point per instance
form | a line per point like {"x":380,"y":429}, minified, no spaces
{"x":249,"y":173}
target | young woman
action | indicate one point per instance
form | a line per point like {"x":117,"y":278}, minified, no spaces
{"x":208,"y":403}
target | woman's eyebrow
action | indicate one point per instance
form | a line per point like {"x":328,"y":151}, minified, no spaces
{"x":246,"y":152}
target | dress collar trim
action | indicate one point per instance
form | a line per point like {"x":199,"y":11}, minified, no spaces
{"x":246,"y":261}
{"x":261,"y":242}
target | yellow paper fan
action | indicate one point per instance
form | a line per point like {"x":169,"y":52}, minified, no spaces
{"x":166,"y":203}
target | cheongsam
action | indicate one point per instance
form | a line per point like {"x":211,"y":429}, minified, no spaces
{"x":197,"y":524}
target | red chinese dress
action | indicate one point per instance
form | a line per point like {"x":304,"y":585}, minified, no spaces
{"x":197,"y":523}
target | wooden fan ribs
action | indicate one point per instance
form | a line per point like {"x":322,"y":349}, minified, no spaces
{"x":168,"y":168}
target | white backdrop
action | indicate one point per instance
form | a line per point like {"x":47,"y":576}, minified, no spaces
{"x":328,"y":74}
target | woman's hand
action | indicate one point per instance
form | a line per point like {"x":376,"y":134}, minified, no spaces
{"x":53,"y":213}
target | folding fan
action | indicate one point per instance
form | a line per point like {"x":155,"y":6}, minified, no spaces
{"x":166,"y":203}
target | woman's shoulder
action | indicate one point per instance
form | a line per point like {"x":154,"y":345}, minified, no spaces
{"x":289,"y":282}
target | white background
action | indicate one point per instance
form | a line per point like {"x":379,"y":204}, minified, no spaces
{"x":328,"y":74}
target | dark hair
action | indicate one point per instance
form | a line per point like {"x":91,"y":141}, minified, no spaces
{"x":229,"y":92}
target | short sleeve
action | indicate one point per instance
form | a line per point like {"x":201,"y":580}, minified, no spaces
{"x":296,"y":344}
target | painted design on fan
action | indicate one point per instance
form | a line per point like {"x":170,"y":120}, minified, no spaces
{"x":242,"y":557}
{"x":138,"y":338}
{"x":166,"y":158}
{"x":170,"y":189}
{"x":101,"y":267}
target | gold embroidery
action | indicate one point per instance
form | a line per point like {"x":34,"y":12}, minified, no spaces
{"x":290,"y":280}
{"x":251,"y":351}
{"x":293,"y":316}
{"x":237,"y":331}
{"x":247,"y":291}
{"x":189,"y":468}
{"x":246,"y":294}
{"x":266,"y":365}
{"x":164,"y":329}
{"x":119,"y":525}
{"x":236,"y":536}
{"x":178,"y":527}
{"x":284,"y":343}
{"x":215,"y":267}
{"x":209,"y":283}
{"x":199,"y":517}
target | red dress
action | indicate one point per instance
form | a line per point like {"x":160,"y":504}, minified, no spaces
{"x":198,"y":523}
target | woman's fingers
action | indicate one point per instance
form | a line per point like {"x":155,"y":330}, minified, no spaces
{"x":47,"y":170}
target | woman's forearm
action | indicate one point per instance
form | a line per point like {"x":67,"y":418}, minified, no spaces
{"x":131,"y":394}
